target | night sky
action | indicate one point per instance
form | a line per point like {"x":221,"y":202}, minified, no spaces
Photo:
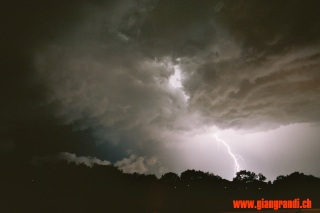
{"x":149,"y":85}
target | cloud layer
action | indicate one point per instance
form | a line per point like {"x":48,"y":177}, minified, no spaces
{"x":99,"y":76}
{"x":86,"y":160}
{"x":114,"y":71}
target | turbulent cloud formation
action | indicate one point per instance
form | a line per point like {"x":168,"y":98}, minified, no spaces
{"x":235,"y":77}
{"x":143,"y":78}
{"x":276,"y":91}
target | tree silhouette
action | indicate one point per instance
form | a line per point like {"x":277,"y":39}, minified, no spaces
{"x":261,"y":177}
{"x":170,"y":177}
{"x":67,"y":187}
{"x":245,"y":176}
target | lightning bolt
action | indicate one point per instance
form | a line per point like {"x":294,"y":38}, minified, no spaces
{"x":235,"y":158}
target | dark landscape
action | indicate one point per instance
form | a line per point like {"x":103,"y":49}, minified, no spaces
{"x":63,"y":187}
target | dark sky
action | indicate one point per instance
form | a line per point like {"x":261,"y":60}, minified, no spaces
{"x":149,"y":85}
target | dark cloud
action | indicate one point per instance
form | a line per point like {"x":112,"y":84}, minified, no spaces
{"x":25,"y":120}
{"x":95,"y":78}
{"x":281,"y":90}
{"x":264,"y":71}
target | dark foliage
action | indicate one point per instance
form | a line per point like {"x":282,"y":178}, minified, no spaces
{"x":63,"y":187}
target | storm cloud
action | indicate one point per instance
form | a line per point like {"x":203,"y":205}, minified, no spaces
{"x":99,"y":76}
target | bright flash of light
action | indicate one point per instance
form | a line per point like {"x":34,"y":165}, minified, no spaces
{"x":235,"y":158}
{"x":176,"y":79}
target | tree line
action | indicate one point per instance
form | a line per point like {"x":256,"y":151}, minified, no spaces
{"x":67,"y":187}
